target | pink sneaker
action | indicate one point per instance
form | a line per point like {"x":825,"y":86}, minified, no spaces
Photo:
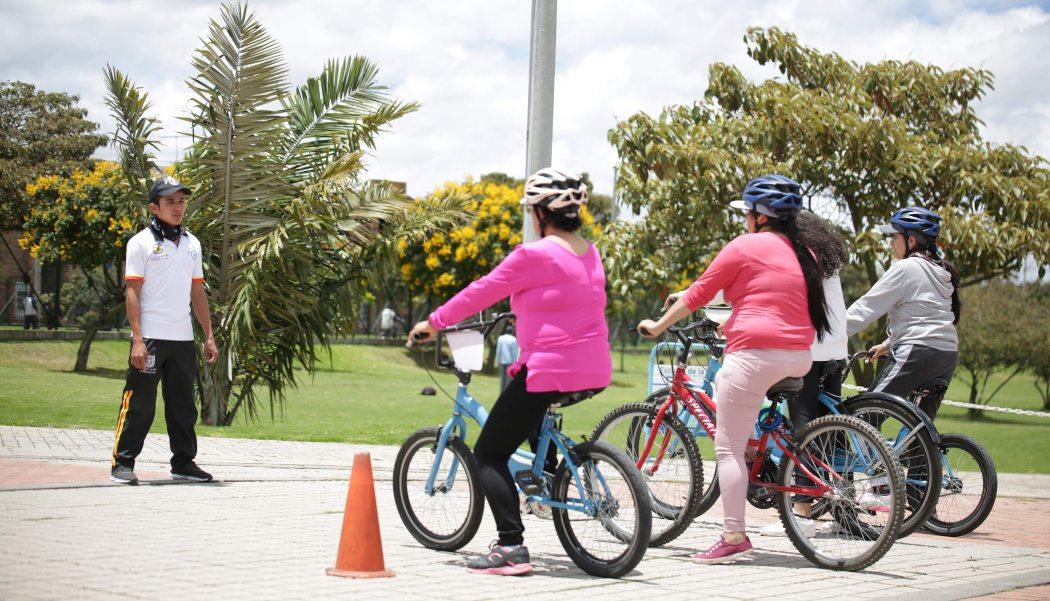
{"x":723,"y":552}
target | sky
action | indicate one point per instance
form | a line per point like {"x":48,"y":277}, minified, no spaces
{"x":467,"y":62}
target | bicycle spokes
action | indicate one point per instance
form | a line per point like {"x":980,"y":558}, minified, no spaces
{"x":855,"y":518}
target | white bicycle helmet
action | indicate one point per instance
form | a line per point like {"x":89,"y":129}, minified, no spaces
{"x":556,"y":191}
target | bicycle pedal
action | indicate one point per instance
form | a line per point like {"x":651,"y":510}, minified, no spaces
{"x":529,"y":483}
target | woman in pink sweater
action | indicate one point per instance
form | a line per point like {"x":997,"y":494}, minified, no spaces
{"x":556,"y":287}
{"x":774,"y":285}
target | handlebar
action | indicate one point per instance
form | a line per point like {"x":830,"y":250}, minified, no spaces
{"x":853,"y":359}
{"x":704,"y":331}
{"x":485,"y":327}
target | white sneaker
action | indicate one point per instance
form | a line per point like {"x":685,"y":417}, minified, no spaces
{"x":872,"y":500}
{"x":807,"y":526}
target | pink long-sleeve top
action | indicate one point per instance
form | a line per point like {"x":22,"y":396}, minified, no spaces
{"x":762,"y":280}
{"x":558,"y":299}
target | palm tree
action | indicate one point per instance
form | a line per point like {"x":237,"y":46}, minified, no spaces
{"x":291,"y":233}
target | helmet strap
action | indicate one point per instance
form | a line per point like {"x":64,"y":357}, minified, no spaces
{"x":542,"y":221}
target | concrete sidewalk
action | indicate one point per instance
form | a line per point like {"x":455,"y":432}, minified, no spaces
{"x":271,"y":527}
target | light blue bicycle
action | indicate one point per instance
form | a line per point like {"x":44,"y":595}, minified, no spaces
{"x":597,"y":498}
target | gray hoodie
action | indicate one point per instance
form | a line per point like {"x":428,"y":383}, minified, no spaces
{"x":917,"y":295}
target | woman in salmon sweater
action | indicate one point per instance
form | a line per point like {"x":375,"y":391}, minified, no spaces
{"x":774,"y":285}
{"x":556,"y":287}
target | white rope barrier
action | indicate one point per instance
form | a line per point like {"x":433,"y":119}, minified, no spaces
{"x":974,"y":405}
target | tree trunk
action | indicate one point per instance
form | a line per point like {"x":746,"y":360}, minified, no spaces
{"x":85,"y":347}
{"x":58,"y":294}
{"x":973,"y":413}
{"x":214,"y":388}
{"x":623,"y":346}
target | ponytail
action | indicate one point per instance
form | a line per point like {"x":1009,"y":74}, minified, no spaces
{"x":933,"y":254}
{"x":811,"y":272}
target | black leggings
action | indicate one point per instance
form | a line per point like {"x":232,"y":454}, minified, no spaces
{"x":516,"y":417}
{"x":805,"y":406}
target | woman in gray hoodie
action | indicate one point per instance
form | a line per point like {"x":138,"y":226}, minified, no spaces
{"x":920,"y":294}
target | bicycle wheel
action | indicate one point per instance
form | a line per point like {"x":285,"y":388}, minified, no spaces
{"x":611,"y":542}
{"x":672,"y":469}
{"x":709,"y":492}
{"x":846,"y":454}
{"x":449,"y":517}
{"x":916,"y":449}
{"x":969,"y":487}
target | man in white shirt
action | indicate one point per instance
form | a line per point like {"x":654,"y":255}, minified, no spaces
{"x":506,"y":355}
{"x":29,"y":310}
{"x":165,"y":279}
{"x":386,"y":323}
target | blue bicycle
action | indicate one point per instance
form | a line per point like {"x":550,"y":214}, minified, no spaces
{"x":597,"y":497}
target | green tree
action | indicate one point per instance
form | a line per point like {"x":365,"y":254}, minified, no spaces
{"x":84,"y":220}
{"x":292,"y":235}
{"x":1036,"y":326}
{"x":636,"y":279}
{"x":41,"y":133}
{"x":996,"y":333}
{"x":863,"y":140}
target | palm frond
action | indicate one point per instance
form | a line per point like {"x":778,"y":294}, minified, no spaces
{"x":339,"y":111}
{"x":134,"y":135}
{"x":240,"y":79}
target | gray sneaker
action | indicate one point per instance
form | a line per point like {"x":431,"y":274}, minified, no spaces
{"x":502,"y":561}
{"x":123,"y":475}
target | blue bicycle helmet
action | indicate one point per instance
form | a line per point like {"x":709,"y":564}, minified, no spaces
{"x":912,"y":221}
{"x":773,"y":195}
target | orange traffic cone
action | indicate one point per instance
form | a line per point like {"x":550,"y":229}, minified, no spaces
{"x":360,"y":548}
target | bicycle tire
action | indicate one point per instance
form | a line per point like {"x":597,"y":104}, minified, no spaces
{"x":677,"y":518}
{"x":989,"y":478}
{"x":409,"y":517}
{"x":710,"y":492}
{"x":920,"y":500}
{"x":636,"y":545}
{"x":895,"y":480}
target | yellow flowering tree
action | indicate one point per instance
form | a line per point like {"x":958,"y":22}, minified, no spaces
{"x":85,"y":220}
{"x":442,"y":264}
{"x":445,"y":262}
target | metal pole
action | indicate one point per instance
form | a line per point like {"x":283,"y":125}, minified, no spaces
{"x":540,"y":129}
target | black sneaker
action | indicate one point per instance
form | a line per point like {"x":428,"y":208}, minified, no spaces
{"x":123,"y":475}
{"x":502,"y":561}
{"x":190,"y":471}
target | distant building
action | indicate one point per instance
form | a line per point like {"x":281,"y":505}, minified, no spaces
{"x":15,"y":265}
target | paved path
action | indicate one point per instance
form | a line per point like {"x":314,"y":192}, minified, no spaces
{"x":271,"y":527}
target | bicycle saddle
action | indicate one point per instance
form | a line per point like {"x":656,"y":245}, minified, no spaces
{"x":935,"y":383}
{"x":572,"y":399}
{"x":785,"y":385}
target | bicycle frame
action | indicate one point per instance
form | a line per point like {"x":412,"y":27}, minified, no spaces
{"x":700,"y":406}
{"x":466,"y":406}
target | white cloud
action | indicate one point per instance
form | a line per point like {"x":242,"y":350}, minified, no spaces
{"x":467,"y":62}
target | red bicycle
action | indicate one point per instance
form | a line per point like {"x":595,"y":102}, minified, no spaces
{"x":834,"y":459}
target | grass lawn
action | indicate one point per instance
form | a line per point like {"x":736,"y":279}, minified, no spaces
{"x":371,"y":394}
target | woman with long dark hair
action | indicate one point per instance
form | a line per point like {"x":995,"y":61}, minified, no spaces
{"x":776,"y":289}
{"x":920,"y":295}
{"x":829,"y":353}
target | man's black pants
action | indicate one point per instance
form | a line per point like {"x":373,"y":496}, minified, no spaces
{"x":172,"y":363}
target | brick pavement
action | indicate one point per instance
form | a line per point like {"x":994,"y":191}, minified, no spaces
{"x":272,"y":528}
